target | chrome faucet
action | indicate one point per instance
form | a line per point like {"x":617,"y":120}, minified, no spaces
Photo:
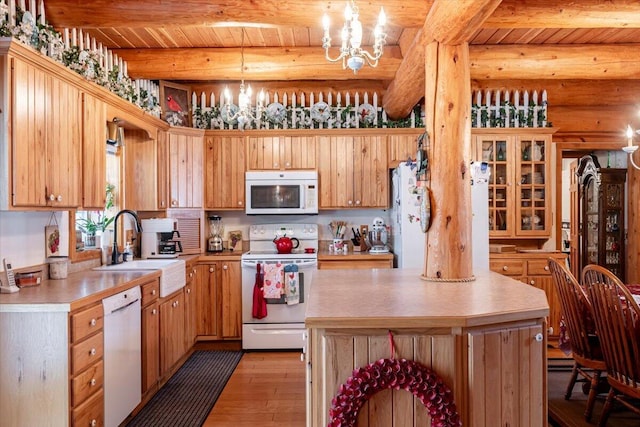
{"x":115,"y":255}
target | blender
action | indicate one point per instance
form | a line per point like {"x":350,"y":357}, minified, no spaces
{"x":216,"y":229}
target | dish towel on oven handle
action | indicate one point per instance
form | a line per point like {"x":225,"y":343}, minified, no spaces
{"x":291,"y":284}
{"x":273,"y":286}
{"x":259,"y":309}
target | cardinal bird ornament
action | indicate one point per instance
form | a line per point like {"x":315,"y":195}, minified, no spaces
{"x":173,"y":104}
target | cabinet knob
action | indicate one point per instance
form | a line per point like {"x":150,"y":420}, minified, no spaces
{"x":93,"y":382}
{"x":59,"y":198}
{"x":546,"y":268}
{"x":190,"y":274}
{"x":225,"y":267}
{"x":275,"y":165}
{"x":93,"y":423}
{"x":350,"y":202}
{"x":357,"y":202}
{"x":92,"y":352}
{"x":505,"y":268}
{"x":240,"y":203}
{"x":539,"y":337}
{"x":93,"y":322}
{"x":189,"y":290}
{"x":52,"y":197}
{"x":533,"y":282}
{"x":154,"y":312}
{"x":153,"y":292}
{"x":211,"y":269}
{"x":287,"y":165}
{"x":162,"y":202}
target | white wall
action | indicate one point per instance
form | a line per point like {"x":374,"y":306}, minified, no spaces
{"x":22,"y":239}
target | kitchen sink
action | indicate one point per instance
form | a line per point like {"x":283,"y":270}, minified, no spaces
{"x":172,"y":277}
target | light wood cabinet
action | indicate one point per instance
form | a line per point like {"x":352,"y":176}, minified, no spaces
{"x":171,"y":331}
{"x":231,"y":299}
{"x":86,"y":350}
{"x":185,"y":168}
{"x":402,"y":145}
{"x":224,"y":172}
{"x":520,"y":202}
{"x":354,"y":261}
{"x":46,"y":139}
{"x":207,"y":301}
{"x":532,"y":268}
{"x":94,"y":159}
{"x":150,"y":336}
{"x":353,"y":171}
{"x":190,"y":306}
{"x":145,"y":188}
{"x":268,"y":152}
{"x":219,"y":300}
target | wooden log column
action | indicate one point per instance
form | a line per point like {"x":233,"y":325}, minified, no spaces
{"x":448,"y":109}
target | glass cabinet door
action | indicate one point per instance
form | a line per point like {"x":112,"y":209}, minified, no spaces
{"x":533,"y":212}
{"x":497,"y":152}
{"x":613,"y":228}
{"x":591,"y":222}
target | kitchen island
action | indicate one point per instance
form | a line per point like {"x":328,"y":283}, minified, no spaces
{"x":486,"y":338}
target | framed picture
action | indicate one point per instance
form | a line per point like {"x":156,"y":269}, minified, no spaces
{"x":235,"y":240}
{"x":176,"y":103}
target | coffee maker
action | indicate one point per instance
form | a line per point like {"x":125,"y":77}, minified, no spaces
{"x":159,"y":239}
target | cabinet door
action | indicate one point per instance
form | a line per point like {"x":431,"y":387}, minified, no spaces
{"x":185,"y":170}
{"x":28,"y":135}
{"x":150,"y":346}
{"x":371,"y":175}
{"x":336,"y":172}
{"x":532,"y":196}
{"x":264,"y":153}
{"x":231,"y":309}
{"x":401,"y":147}
{"x":171,"y":331}
{"x":190,"y":309}
{"x":224,"y":172}
{"x":547,"y":284}
{"x":162,"y":153}
{"x":64,"y":144}
{"x":298,"y":152}
{"x":498,"y":151}
{"x":94,"y":157}
{"x":141,"y":167}
{"x":207,"y":301}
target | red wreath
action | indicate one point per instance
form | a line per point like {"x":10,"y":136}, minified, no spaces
{"x":404,"y":374}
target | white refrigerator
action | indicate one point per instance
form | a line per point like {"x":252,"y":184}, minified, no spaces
{"x":408,"y":239}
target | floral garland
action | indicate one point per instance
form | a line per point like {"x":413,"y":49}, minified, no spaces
{"x":46,"y":40}
{"x":396,"y":374}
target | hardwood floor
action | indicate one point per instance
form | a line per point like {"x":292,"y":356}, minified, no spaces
{"x":267,"y":389}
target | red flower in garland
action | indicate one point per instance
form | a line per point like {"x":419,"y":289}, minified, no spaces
{"x":404,"y":374}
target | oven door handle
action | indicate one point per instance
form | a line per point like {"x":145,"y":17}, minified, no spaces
{"x":300,"y":264}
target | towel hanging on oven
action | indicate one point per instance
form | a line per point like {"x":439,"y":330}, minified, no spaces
{"x":273,"y":286}
{"x":259,"y":309}
{"x":291,"y":284}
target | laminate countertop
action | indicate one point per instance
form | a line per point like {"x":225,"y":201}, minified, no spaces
{"x":77,"y":290}
{"x":399,"y":298}
{"x":325,"y":255}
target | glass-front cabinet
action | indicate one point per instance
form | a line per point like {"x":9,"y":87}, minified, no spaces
{"x":519,"y":184}
{"x":602,"y":202}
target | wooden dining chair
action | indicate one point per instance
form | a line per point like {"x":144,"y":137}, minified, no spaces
{"x":617,"y":319}
{"x":585,"y":346}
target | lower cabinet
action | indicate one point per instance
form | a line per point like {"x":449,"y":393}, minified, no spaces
{"x":150,"y":336}
{"x":190,"y":307}
{"x":532,"y":268}
{"x":219,"y":300}
{"x":171,"y":331}
{"x":354,"y":262}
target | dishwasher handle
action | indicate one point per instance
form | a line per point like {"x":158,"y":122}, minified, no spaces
{"x":123,"y":307}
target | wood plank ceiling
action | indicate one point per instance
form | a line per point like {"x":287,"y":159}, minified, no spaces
{"x":200,"y":40}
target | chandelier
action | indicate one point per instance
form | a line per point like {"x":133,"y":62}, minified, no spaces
{"x":242,"y":113}
{"x":351,"y":52}
{"x":630,"y":148}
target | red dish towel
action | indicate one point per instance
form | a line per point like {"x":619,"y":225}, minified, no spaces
{"x":259,"y":309}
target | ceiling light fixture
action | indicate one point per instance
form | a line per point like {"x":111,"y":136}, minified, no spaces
{"x":242,"y":113}
{"x":352,"y":54}
{"x":630,"y":148}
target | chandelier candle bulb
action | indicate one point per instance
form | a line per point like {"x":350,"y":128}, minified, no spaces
{"x":629,"y":136}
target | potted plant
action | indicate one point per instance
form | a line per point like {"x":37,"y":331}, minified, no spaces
{"x":97,"y":222}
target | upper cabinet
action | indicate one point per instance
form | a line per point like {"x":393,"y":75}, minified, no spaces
{"x":93,"y":152}
{"x":224,"y":171}
{"x":268,"y":152}
{"x":402,"y":145}
{"x":46,"y":139}
{"x":353,"y":171}
{"x":185,"y":167}
{"x":520,"y":185}
{"x":145,"y":189}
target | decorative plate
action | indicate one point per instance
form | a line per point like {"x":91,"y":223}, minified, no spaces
{"x":225,"y":113}
{"x":366,"y":113}
{"x":320,"y":112}
{"x":276,"y":112}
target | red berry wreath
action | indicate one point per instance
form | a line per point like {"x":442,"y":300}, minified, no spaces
{"x":404,"y":374}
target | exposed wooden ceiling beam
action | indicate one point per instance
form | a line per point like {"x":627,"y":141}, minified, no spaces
{"x":446,"y":25}
{"x":263,"y":13}
{"x":259,"y":64}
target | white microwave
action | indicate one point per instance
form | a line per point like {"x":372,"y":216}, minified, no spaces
{"x":281,"y":192}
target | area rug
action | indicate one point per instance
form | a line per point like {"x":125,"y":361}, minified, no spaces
{"x":187,"y":398}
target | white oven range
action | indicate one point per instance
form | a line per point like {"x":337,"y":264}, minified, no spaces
{"x":283,"y":327}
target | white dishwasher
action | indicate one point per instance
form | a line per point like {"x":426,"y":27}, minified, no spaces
{"x":122,"y":355}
